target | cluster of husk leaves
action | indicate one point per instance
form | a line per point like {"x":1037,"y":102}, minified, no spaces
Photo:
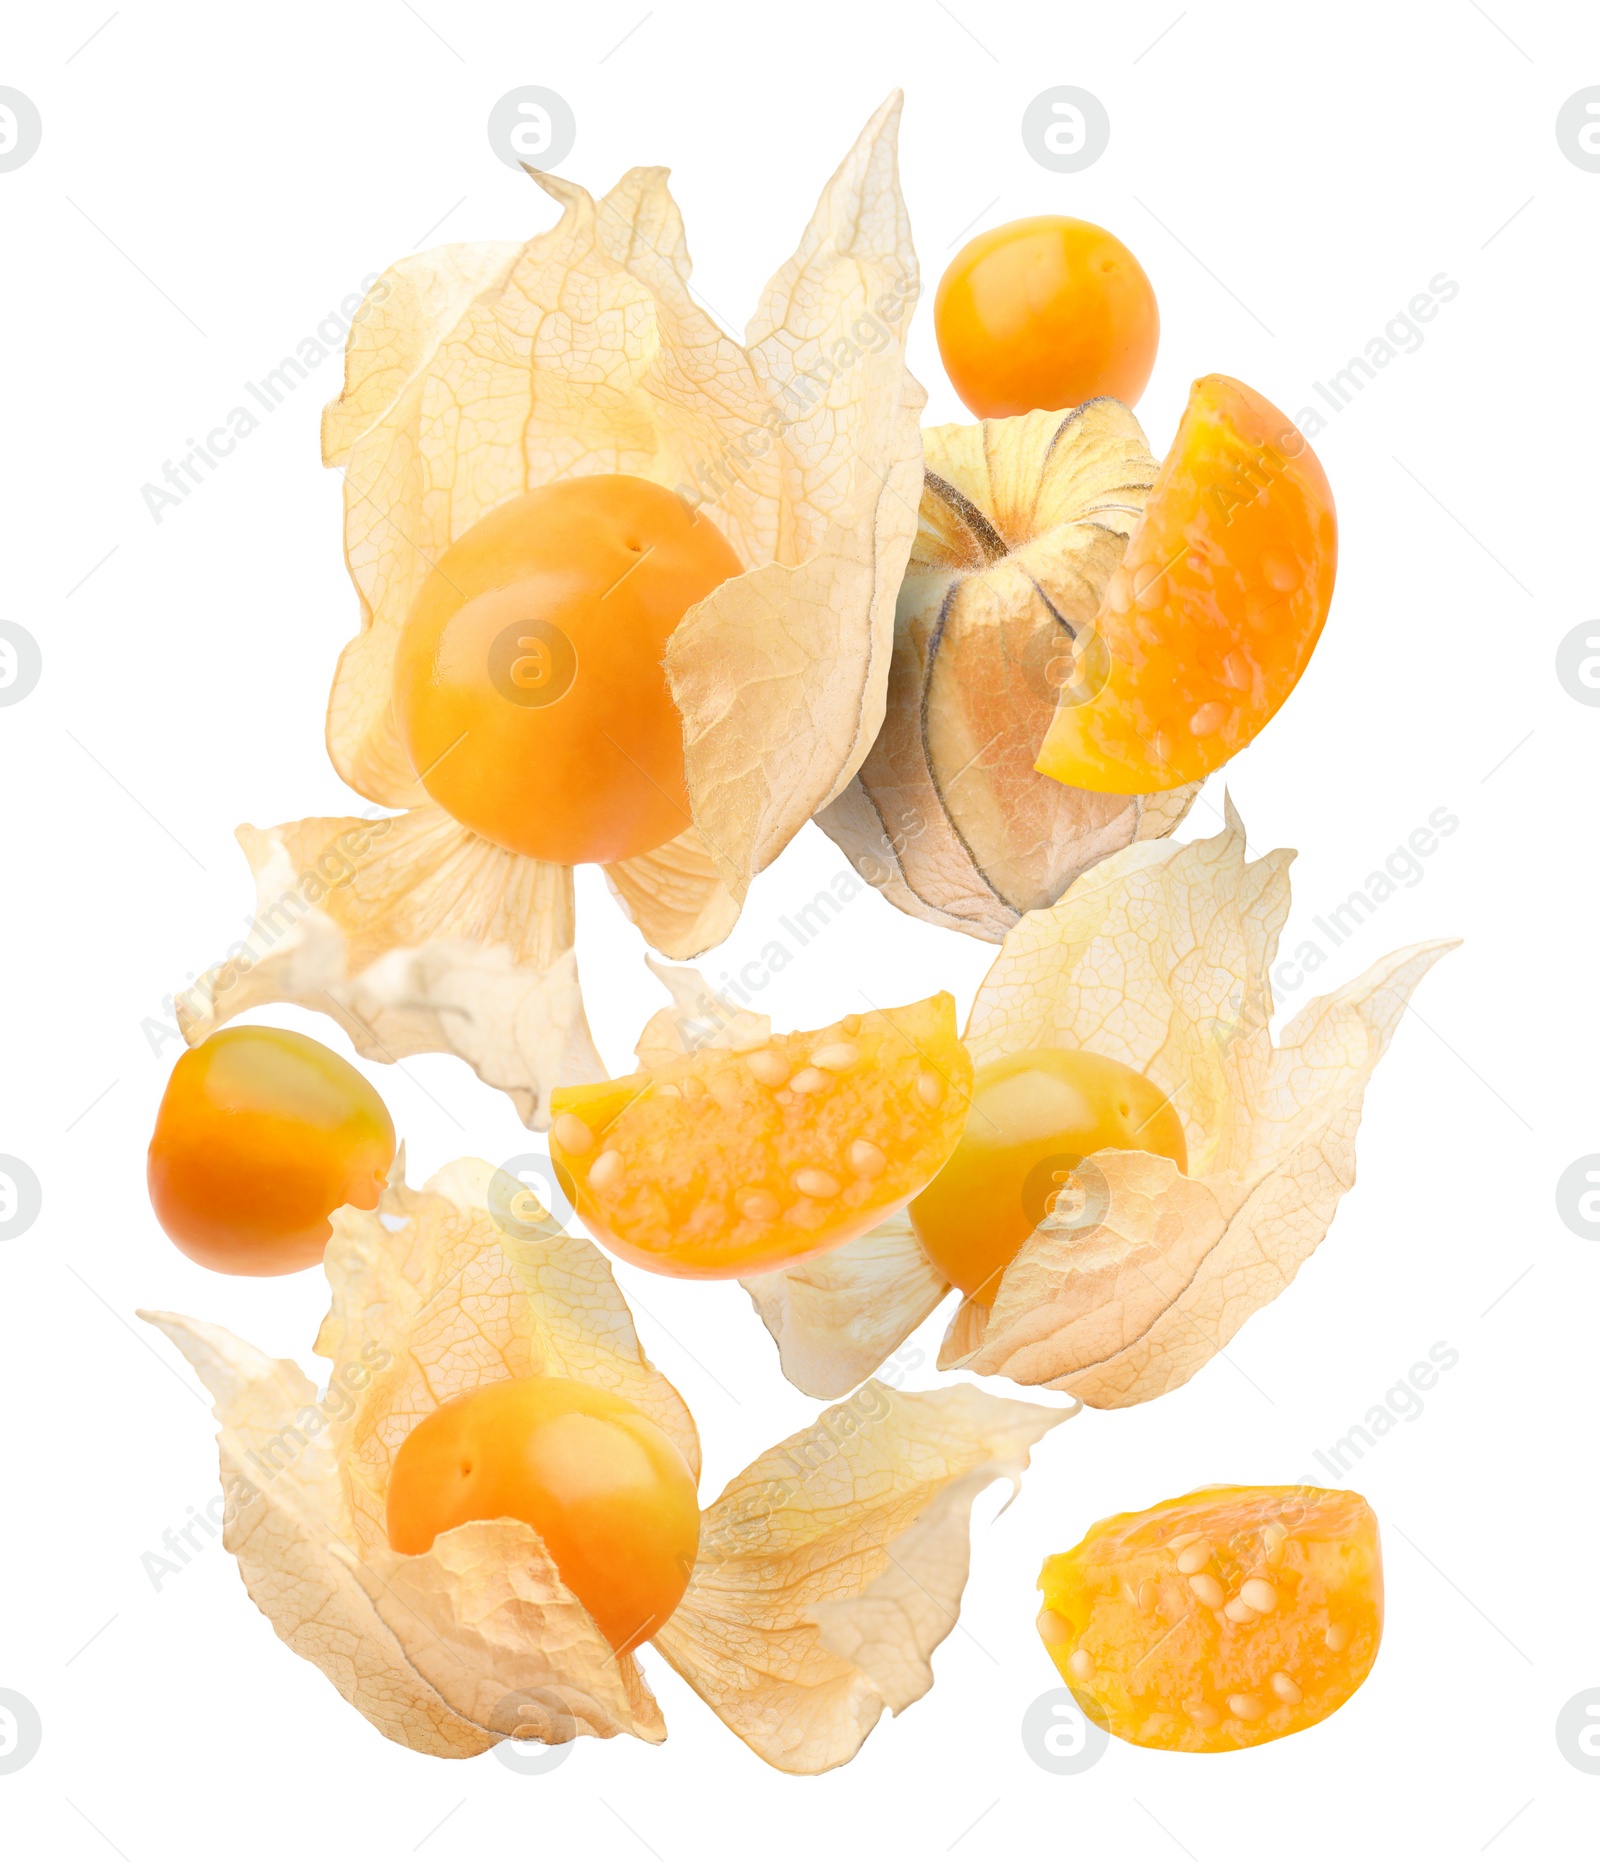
{"x":1022,"y":523}
{"x":829,"y":1570}
{"x":476,"y":372}
{"x":1159,"y":958}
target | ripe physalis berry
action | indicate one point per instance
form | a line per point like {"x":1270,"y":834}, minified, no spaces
{"x":608,"y":1492}
{"x":1047,"y":312}
{"x":1225,"y":1618}
{"x":737,"y":1161}
{"x":261,"y":1135}
{"x":1034,"y":1118}
{"x":1208,"y":624}
{"x":528,"y":681}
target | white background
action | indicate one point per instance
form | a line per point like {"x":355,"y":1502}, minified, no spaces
{"x":211,"y":182}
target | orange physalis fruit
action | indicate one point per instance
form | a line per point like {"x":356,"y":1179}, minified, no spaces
{"x":528,"y":682}
{"x":605,"y":1488}
{"x":1224,"y":1618}
{"x":1210,"y":620}
{"x":261,"y":1135}
{"x":1034,"y":1118}
{"x":735,"y":1161}
{"x":1047,"y":312}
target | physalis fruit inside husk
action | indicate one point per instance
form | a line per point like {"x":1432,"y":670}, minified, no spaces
{"x":483,"y":1361}
{"x":607,"y":1490}
{"x":262,"y":1133}
{"x":1147,"y":1261}
{"x":1224,"y":1618}
{"x":728,"y":1162}
{"x":1022,"y":525}
{"x":1047,"y":312}
{"x":1209,"y":621}
{"x":528,"y":682}
{"x":1034,"y":1118}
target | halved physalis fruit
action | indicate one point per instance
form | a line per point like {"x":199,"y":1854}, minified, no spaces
{"x":1213,"y":614}
{"x":730,"y":1162}
{"x":1034,"y":1118}
{"x":605,"y":1488}
{"x":1224,"y":1618}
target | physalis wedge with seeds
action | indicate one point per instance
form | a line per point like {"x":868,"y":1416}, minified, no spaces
{"x":1225,"y":1618}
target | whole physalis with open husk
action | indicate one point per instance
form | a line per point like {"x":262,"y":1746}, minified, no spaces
{"x":1022,"y":524}
{"x":626,"y":587}
{"x":1144,"y":1165}
{"x":492,"y":1503}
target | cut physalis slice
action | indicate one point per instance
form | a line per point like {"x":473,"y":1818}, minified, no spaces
{"x":1219,"y":600}
{"x":1224,"y":1618}
{"x":737,"y":1160}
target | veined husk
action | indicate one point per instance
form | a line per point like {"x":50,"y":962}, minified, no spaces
{"x":1159,"y":957}
{"x":828,"y":1572}
{"x":474,"y":373}
{"x":1022,"y":522}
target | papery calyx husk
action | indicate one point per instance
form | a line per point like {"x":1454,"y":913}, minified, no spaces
{"x":828,"y":1571}
{"x":833,"y":1566}
{"x":1022,"y":522}
{"x":1160,"y":958}
{"x":475,"y":373}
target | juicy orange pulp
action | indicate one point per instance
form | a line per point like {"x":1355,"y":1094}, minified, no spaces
{"x":261,"y":1134}
{"x":1034,"y":1118}
{"x":1047,"y":312}
{"x":1220,"y":598}
{"x":608,"y":1492}
{"x":1224,"y":1618}
{"x":528,"y":682}
{"x":736,"y":1162}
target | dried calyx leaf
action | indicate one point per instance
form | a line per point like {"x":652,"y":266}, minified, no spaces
{"x":837,"y":1318}
{"x":833,"y":1566}
{"x":416,"y":937}
{"x":476,"y":373}
{"x":1158,"y":958}
{"x":698,"y":1018}
{"x":1022,"y":523}
{"x":828,"y":1573}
